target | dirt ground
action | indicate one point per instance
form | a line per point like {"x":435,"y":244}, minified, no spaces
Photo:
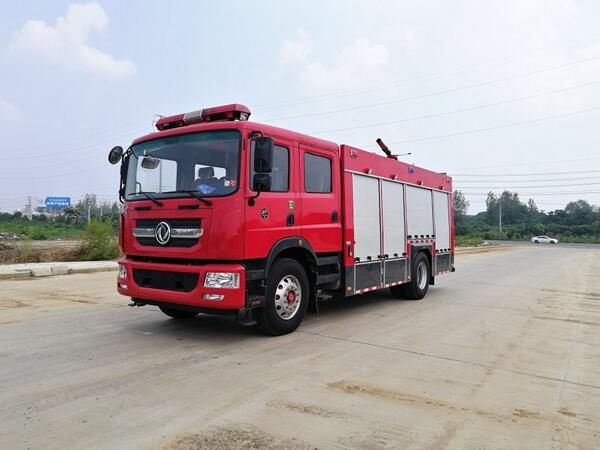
{"x":25,"y":251}
{"x":504,"y":353}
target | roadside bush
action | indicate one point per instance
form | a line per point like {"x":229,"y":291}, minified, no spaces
{"x":99,"y":242}
{"x":36,"y":233}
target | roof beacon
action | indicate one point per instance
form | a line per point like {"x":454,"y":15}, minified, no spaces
{"x":215,"y":114}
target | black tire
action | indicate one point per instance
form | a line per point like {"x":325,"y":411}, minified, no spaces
{"x":415,"y":290}
{"x":536,"y":242}
{"x":284,"y":273}
{"x":177,"y":313}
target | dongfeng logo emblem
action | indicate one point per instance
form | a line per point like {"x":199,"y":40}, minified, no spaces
{"x":162,"y":233}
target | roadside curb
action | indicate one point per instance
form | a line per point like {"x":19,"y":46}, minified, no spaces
{"x":52,"y":270}
{"x":479,"y":249}
{"x":99,"y":269}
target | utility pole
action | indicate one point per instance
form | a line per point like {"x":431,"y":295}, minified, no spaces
{"x":88,"y":212}
{"x":29,"y":208}
{"x":500,"y":213}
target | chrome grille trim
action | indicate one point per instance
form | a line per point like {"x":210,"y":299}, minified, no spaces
{"x":176,"y":233}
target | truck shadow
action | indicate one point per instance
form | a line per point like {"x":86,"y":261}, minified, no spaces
{"x":204,"y":327}
{"x":349,"y":305}
{"x":224,"y":329}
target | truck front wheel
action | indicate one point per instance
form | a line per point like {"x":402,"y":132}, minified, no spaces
{"x":286,"y":298}
{"x":419,"y":280}
{"x":177,"y":313}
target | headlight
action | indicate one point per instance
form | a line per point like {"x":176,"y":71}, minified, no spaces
{"x":226,"y":280}
{"x":122,"y":272}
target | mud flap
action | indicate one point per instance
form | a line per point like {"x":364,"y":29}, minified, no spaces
{"x":313,"y":303}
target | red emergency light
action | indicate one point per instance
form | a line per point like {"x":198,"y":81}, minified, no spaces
{"x":234,"y":111}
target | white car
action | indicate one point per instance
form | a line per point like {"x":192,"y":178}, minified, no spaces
{"x":544,"y":240}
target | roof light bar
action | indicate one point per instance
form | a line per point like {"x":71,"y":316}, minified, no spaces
{"x":234,"y":111}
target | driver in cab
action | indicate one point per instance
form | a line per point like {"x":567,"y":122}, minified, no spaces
{"x":208,"y":184}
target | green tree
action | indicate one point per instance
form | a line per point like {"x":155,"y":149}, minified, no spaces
{"x":579,"y":213}
{"x":461,"y":204}
{"x":532,"y":207}
{"x":513,"y":210}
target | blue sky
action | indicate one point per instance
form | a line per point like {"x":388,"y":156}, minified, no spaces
{"x":78,"y":78}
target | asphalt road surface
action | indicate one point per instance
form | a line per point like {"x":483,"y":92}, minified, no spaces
{"x":504,"y":353}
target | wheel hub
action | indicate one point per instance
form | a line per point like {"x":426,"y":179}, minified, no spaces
{"x":422,"y":275}
{"x":288,"y":296}
{"x":291,"y":297}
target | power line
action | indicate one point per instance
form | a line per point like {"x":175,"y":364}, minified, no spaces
{"x":104,"y":132}
{"x":541,"y":180}
{"x":537,"y":163}
{"x":433,"y":94}
{"x":456,"y":111}
{"x":52,"y":154}
{"x":406,"y":81}
{"x":542,"y":193}
{"x":534,"y":187}
{"x":525,"y":174}
{"x":57,"y":164}
{"x":537,"y":203}
{"x":498,"y":127}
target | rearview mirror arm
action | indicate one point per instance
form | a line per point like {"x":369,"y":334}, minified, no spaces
{"x":123,"y":174}
{"x":252,"y":200}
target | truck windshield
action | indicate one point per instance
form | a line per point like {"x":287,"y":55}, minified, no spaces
{"x":205,"y":163}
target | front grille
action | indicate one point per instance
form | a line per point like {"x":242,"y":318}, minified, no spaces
{"x":169,"y":281}
{"x":187,"y":224}
{"x":175,"y":223}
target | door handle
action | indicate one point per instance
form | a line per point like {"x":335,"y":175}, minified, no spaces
{"x":290,"y":219}
{"x":334,"y":216}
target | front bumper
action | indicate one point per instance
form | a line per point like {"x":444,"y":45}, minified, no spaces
{"x":175,"y":287}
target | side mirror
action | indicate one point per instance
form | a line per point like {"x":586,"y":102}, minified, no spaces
{"x":263,"y":155}
{"x":261,"y":182}
{"x":150,"y":162}
{"x":115,"y":155}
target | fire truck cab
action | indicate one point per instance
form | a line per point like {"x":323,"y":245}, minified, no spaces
{"x":224,"y":215}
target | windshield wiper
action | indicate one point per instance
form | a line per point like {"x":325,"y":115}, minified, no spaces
{"x":149,"y":197}
{"x":191,"y":193}
{"x":196,"y":195}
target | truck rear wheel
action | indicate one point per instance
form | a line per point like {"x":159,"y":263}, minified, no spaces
{"x":419,"y":284}
{"x":177,"y":313}
{"x":286,"y":298}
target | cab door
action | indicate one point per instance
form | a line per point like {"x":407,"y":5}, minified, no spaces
{"x":320,"y":198}
{"x":273,"y":216}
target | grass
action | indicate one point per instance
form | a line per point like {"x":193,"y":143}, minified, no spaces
{"x":468,"y":241}
{"x":97,"y":241}
{"x":40,"y":231}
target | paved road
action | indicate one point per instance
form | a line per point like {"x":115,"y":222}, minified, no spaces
{"x":533,"y":244}
{"x":505,"y":353}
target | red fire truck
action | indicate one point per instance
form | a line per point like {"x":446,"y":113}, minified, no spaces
{"x":224,"y":215}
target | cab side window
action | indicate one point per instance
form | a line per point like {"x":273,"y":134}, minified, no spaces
{"x":280,"y":175}
{"x":317,"y":173}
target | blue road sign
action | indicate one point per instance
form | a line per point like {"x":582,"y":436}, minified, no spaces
{"x":57,"y":202}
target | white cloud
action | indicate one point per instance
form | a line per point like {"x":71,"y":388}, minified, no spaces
{"x":66,"y":42}
{"x":358,"y":62}
{"x":296,"y":51}
{"x":9,"y":112}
